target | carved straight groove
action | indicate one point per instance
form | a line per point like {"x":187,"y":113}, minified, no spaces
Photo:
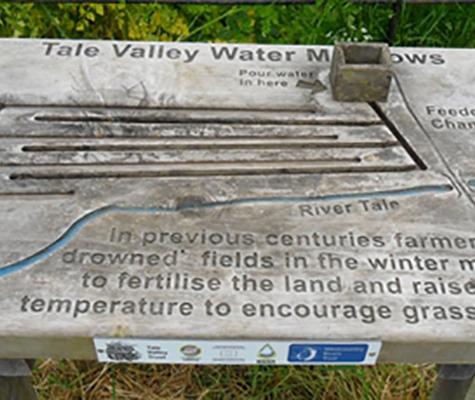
{"x":205,"y":145}
{"x":401,"y":139}
{"x":177,"y":138}
{"x":281,"y":156}
{"x":212,"y":133}
{"x":191,"y":120}
{"x":216,"y":171}
{"x":181,"y":142}
{"x":36,"y":194}
{"x":194,"y":162}
{"x":210,"y":163}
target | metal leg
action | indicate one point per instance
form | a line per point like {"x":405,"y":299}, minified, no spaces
{"x":394,"y":21}
{"x":454,"y":382}
{"x":471,"y":391}
{"x":15,"y":380}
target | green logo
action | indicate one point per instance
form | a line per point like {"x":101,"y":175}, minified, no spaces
{"x":266,"y":352}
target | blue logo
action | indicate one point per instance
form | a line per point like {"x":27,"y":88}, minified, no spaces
{"x":327,"y":353}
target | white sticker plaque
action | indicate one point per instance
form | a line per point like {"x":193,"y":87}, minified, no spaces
{"x":232,"y":352}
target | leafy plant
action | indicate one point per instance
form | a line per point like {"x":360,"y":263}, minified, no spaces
{"x":450,"y":25}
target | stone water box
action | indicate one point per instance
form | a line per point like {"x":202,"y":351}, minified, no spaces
{"x":210,"y":191}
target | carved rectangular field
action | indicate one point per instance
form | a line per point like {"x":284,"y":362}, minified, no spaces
{"x":204,"y":191}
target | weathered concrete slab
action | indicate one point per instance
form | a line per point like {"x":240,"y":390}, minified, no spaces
{"x":145,"y":75}
{"x":205,"y":207}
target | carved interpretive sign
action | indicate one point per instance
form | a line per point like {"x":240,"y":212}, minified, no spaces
{"x":192,"y":196}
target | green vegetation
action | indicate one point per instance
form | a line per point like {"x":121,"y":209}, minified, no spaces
{"x":450,"y":25}
{"x":91,"y":381}
{"x":324,"y":22}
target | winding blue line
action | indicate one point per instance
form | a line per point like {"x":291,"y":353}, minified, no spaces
{"x":71,"y":232}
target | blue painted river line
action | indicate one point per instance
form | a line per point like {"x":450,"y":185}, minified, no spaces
{"x":74,"y":229}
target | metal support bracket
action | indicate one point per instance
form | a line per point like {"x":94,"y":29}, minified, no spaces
{"x":454,"y":382}
{"x":15,"y":380}
{"x":394,"y":21}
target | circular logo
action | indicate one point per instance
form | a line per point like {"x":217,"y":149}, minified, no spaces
{"x":190,"y":350}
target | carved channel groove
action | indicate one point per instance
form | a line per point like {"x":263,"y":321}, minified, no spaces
{"x":216,"y":171}
{"x":37,"y":194}
{"x":400,"y":137}
{"x":206,"y":144}
{"x":197,"y":143}
{"x":141,"y":119}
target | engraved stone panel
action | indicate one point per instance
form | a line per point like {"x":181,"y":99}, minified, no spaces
{"x":191,"y":196}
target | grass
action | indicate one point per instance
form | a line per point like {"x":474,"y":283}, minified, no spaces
{"x":451,"y":25}
{"x":92,"y":381}
{"x":446,"y":25}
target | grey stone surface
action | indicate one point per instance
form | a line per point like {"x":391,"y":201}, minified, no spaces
{"x":14,"y":368}
{"x":15,"y":380}
{"x":471,"y":391}
{"x":453,"y":382}
{"x":272,"y":199}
